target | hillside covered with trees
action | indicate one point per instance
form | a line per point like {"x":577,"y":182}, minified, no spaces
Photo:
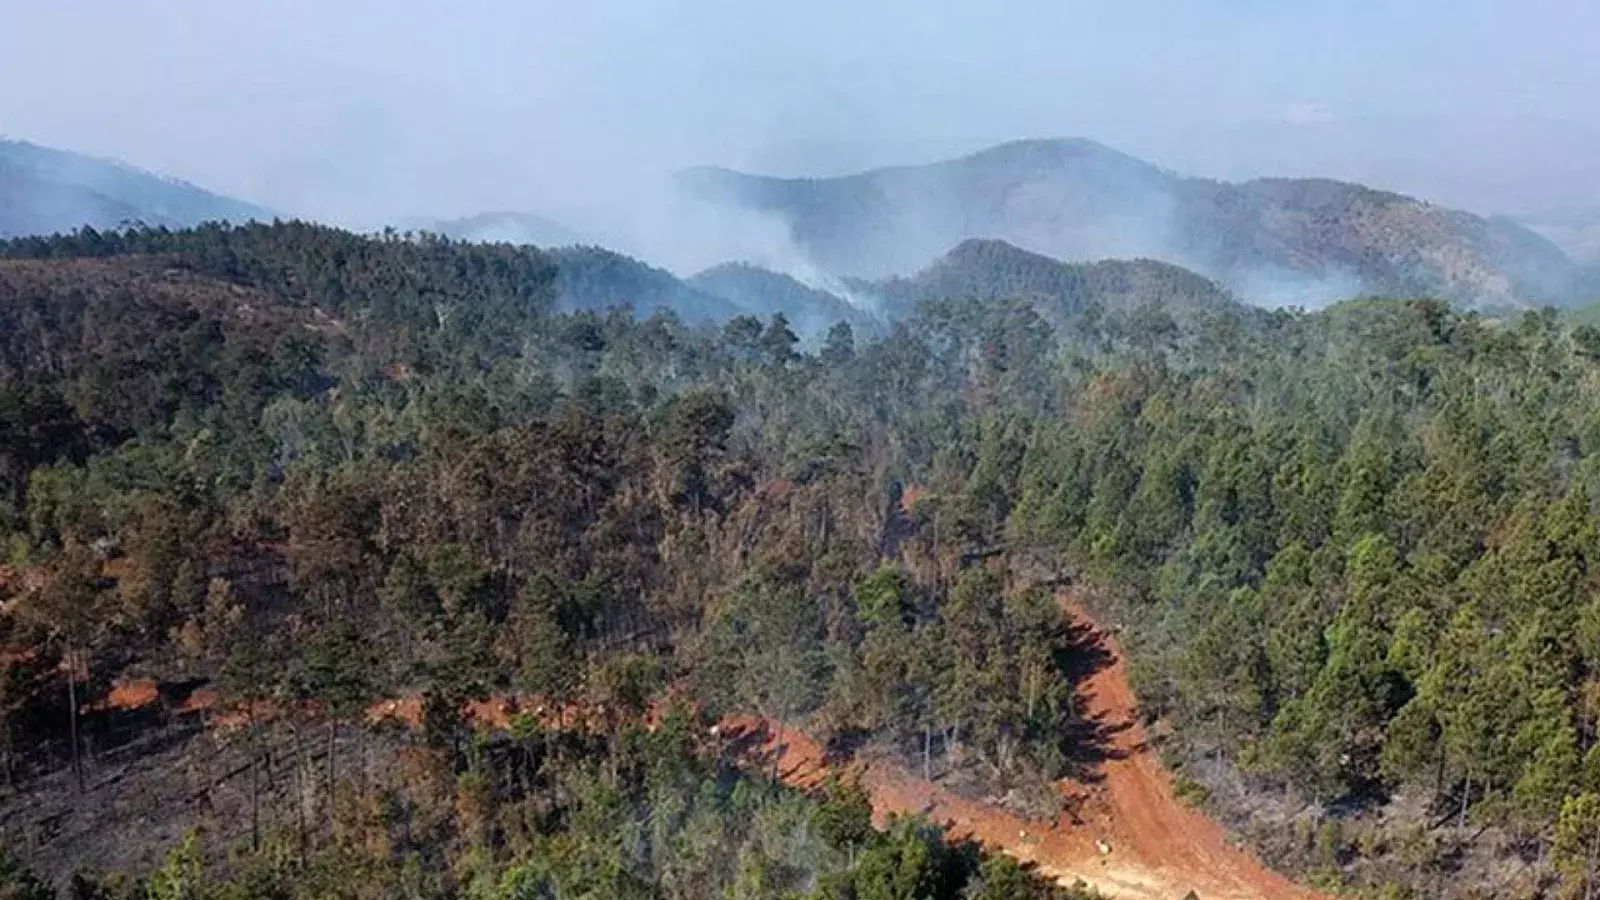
{"x":1273,"y":241}
{"x":441,"y":586}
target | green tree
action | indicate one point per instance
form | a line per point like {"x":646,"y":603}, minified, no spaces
{"x":844,"y":819}
{"x":1576,"y":850}
{"x":20,"y":883}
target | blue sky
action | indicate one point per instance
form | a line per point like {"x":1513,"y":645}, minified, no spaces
{"x":364,"y":109}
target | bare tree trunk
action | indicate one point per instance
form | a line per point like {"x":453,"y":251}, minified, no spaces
{"x":927,"y":751}
{"x":300,"y":789}
{"x":272,"y":782}
{"x":333,"y":737}
{"x":72,"y":715}
{"x":255,"y":798}
{"x":1466,"y":798}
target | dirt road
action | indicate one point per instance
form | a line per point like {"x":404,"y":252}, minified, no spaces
{"x":1130,"y":838}
{"x":1133,"y":839}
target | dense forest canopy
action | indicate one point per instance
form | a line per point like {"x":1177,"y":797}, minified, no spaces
{"x":314,"y":472}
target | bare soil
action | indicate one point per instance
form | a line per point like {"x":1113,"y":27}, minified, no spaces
{"x":1126,"y":834}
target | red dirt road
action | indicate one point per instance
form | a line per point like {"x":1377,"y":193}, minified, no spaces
{"x":1134,"y":838}
{"x":1131,"y":838}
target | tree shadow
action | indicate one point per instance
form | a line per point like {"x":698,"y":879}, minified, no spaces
{"x":1082,"y":653}
{"x":743,"y":742}
{"x":842,"y":746}
{"x":756,"y":747}
{"x":1089,"y":740}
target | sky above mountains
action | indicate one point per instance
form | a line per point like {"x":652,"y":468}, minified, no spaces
{"x":361,"y":111}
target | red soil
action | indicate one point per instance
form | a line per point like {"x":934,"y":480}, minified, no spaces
{"x":1129,"y":837}
{"x":406,"y":710}
{"x":498,"y":712}
{"x":231,"y":717}
{"x":910,"y":496}
{"x":1133,"y":838}
{"x":16,"y":653}
{"x":134,"y":693}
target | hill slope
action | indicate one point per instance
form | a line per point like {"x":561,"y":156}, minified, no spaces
{"x":1272,"y":240}
{"x":763,"y":292}
{"x":303,"y":470}
{"x":45,"y":191}
{"x":598,"y":279}
{"x":995,"y":270}
{"x":1127,"y":835}
{"x":988,"y":270}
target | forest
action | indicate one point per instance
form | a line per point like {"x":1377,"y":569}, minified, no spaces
{"x":289,"y":477}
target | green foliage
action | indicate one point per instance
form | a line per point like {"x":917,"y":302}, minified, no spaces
{"x":1356,"y":546}
{"x":1577,"y":843}
{"x":845,"y":818}
{"x":19,"y":883}
{"x":182,"y":876}
{"x":911,"y":861}
{"x":1190,"y":791}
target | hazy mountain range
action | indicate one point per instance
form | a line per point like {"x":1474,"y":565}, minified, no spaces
{"x":590,"y":278}
{"x":1575,"y":229}
{"x":1270,"y":240}
{"x":762,"y":292}
{"x":44,"y":191}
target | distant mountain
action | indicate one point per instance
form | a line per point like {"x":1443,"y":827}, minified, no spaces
{"x":44,"y":191}
{"x":762,"y":292}
{"x":1588,"y":283}
{"x":508,"y":228}
{"x":994,"y":270}
{"x":1270,"y":240}
{"x":1472,"y":160}
{"x":597,"y":279}
{"x":1574,"y":229}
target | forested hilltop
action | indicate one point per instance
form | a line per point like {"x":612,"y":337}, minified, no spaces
{"x":384,"y":576}
{"x":1304,"y":241}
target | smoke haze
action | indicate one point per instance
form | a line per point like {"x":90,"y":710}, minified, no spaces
{"x":574,"y":118}
{"x":361,"y":111}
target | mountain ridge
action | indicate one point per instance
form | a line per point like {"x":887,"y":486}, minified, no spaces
{"x":991,"y":269}
{"x":47,"y":191}
{"x":1274,"y":240}
{"x":760,"y":291}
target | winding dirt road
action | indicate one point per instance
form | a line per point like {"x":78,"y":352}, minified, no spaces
{"x":1132,"y":839}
